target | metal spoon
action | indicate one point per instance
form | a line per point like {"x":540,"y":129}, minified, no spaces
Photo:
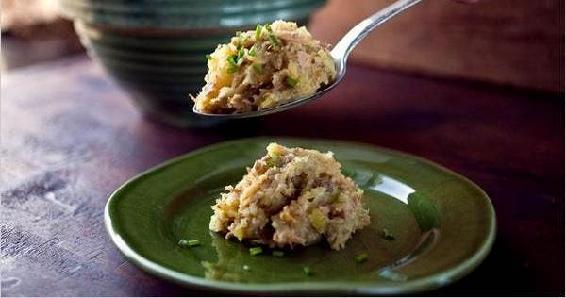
{"x":339,"y":53}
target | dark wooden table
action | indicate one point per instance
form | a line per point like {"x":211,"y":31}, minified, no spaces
{"x":70,"y":136}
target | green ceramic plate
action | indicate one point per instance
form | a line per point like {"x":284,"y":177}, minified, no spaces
{"x":429,"y":226}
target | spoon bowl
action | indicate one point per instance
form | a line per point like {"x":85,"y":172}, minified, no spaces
{"x":340,"y":72}
{"x":339,"y":54}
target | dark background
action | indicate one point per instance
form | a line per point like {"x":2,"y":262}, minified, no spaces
{"x":481,"y":91}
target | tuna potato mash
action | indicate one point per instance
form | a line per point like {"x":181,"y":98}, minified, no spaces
{"x":265,"y":68}
{"x":291,"y":196}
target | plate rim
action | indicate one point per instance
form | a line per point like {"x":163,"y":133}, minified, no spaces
{"x":429,"y":282}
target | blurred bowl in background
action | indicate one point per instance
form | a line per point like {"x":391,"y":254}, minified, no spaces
{"x":157,"y":50}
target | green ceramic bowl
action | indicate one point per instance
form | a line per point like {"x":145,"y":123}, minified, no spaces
{"x":429,"y":225}
{"x":157,"y":50}
{"x":185,"y":14}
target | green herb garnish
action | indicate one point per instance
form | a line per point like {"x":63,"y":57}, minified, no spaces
{"x":278,"y":253}
{"x":307,"y":270}
{"x":208,"y":57}
{"x":272,"y":38}
{"x":188,"y":243}
{"x":387,"y":235}
{"x":269,"y":29}
{"x":232,"y":64}
{"x":272,"y":161}
{"x":361,"y":258}
{"x":258,"y":31}
{"x":254,"y":251}
{"x":235,"y":61}
{"x":240,"y":56}
{"x":252,"y":52}
{"x":292,"y":81}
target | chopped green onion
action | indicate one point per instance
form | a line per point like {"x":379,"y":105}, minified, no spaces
{"x":193,"y":242}
{"x":292,"y":82}
{"x":361,"y":258}
{"x":254,"y":251}
{"x":240,"y":56}
{"x":234,"y":61}
{"x":231,"y":59}
{"x":275,"y":154}
{"x":387,"y":235}
{"x":188,"y":243}
{"x":272,"y":161}
{"x":252,"y":51}
{"x":232,"y":64}
{"x":272,"y":36}
{"x":273,"y":39}
{"x":258,"y":31}
{"x":307,"y":270}
{"x":277,"y":253}
{"x":246,"y":268}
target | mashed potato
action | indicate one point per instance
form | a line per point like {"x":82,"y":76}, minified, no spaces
{"x":291,"y":196}
{"x":261,"y":69}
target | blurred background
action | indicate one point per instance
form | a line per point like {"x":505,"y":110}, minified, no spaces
{"x":514,"y":42}
{"x":478,"y":88}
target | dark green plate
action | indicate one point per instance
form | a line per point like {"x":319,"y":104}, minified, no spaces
{"x":429,"y":226}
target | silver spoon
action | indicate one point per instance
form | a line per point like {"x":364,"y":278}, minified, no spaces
{"x":339,"y":53}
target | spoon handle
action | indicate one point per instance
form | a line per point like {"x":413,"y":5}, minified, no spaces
{"x":360,"y":31}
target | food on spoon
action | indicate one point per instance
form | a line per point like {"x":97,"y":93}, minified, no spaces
{"x":291,"y":196}
{"x":264,"y":68}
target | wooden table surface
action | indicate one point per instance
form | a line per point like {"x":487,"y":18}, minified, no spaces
{"x":70,"y":137}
